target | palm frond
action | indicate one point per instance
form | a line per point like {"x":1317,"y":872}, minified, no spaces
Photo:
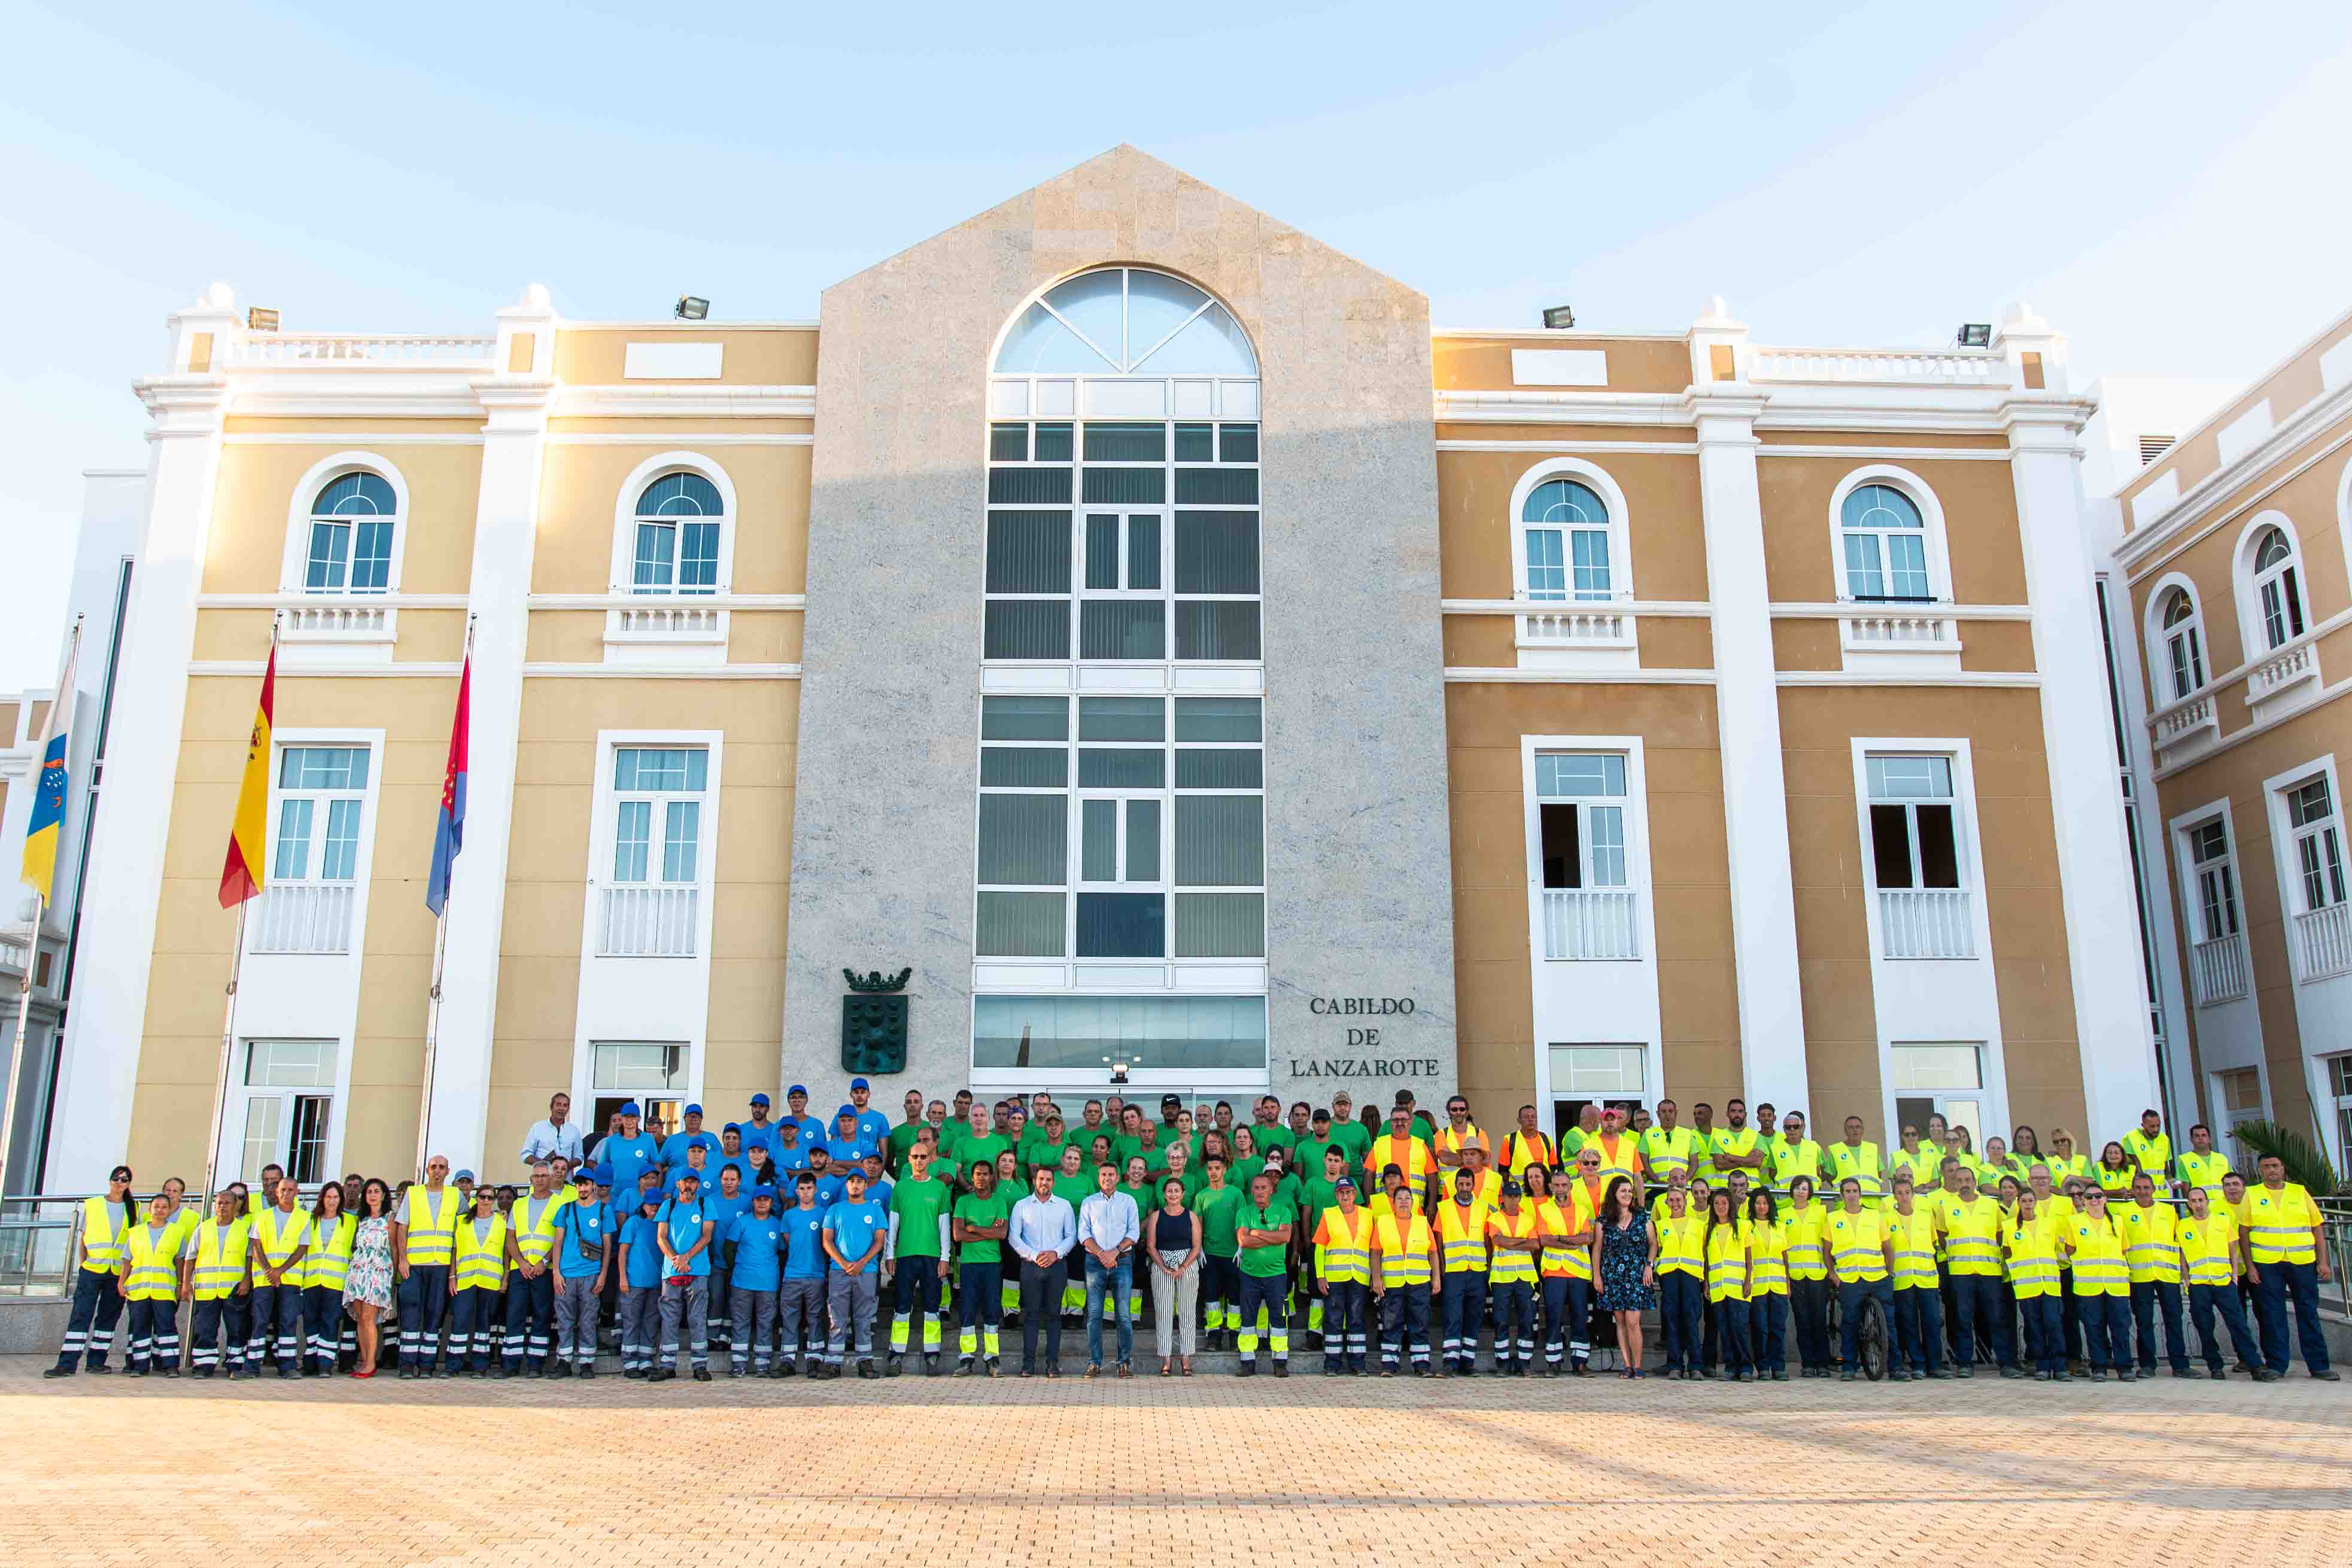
{"x":2307,"y":1162}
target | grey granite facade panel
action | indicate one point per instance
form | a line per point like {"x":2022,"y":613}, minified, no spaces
{"x":1360,"y":902}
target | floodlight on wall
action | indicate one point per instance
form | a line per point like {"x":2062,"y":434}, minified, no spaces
{"x":1975,"y":336}
{"x":691,"y":309}
{"x":1558,"y":318}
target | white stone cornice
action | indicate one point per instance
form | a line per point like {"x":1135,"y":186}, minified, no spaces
{"x":184,"y":405}
{"x":784,"y":401}
{"x":2218,"y":493}
{"x":2046,"y":422}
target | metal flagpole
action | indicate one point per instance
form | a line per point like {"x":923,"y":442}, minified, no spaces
{"x":229,"y":1012}
{"x":433,"y":997}
{"x":40,"y":909}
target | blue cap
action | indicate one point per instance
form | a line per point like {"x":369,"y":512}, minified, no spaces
{"x":600,"y":1174}
{"x":734,"y":1127}
{"x":463,"y":1176}
{"x":652,"y":1197}
{"x":847,"y":1110}
{"x":694,"y":1111}
{"x":859,"y":1083}
{"x":686,"y":1173}
{"x":631,"y":1109}
{"x":764,"y":1191}
{"x":797,"y":1088}
{"x":759,"y":1100}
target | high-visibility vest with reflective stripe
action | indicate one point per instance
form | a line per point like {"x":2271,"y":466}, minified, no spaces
{"x":1727,"y":1263}
{"x":1404,"y":1252}
{"x":1923,"y":1167}
{"x":2063,"y":1166}
{"x":1857,"y":1245}
{"x":151,"y":1264}
{"x":1408,"y":1155}
{"x":1724,"y":1141}
{"x":103,"y":1225}
{"x":1860,"y":1161}
{"x":1806,"y":1253}
{"x":221,"y":1256}
{"x":2153,"y":1155}
{"x":1664,"y":1152}
{"x":432,"y":1228}
{"x":1449,"y":1141}
{"x":1462,"y":1236}
{"x":1914,"y":1235}
{"x":1767,"y":1260}
{"x":1564,"y":1259}
{"x":535,"y":1239}
{"x":279,"y":1235}
{"x":2010,"y":1165}
{"x":2205,"y":1246}
{"x":2115,"y":1184}
{"x":2099,"y":1268}
{"x":1682,"y":1243}
{"x":1790,"y":1161}
{"x":1973,"y":1235}
{"x":481,"y":1253}
{"x":2205,"y":1171}
{"x":1521,"y":1147}
{"x":331,"y":1252}
{"x":2150,"y":1251}
{"x":1347,"y":1257}
{"x":1509,"y":1265}
{"x":2278,"y":1224}
{"x":2033,"y":1256}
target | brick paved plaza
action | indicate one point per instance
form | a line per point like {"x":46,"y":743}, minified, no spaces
{"x":1210,"y":1471}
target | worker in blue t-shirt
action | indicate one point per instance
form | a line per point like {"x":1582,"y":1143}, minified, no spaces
{"x":640,"y":1277}
{"x":755,"y":1238}
{"x":583,"y":1258}
{"x":812,"y":1128}
{"x":800,"y":1295}
{"x":729,"y":1203}
{"x":845,"y":1146}
{"x":674,"y":1147}
{"x":873,"y":1127}
{"x":857,"y":1235}
{"x":630,"y":1151}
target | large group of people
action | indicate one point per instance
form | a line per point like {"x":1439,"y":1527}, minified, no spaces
{"x":797,"y":1245}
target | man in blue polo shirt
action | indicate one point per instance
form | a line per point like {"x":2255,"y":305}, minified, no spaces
{"x":631,"y":1151}
{"x":877,"y":1185}
{"x":787,"y":1154}
{"x":756,"y":1238}
{"x":683,"y":1231}
{"x":641,"y":1278}
{"x":856,"y":1234}
{"x":674,"y":1147}
{"x":759,"y":1129}
{"x":831,"y":1183}
{"x":732,"y":1152}
{"x":812,"y":1128}
{"x":800,"y":1295}
{"x":846,"y":1147}
{"x":583,"y":1257}
{"x":729,"y":1203}
{"x":873,"y":1127}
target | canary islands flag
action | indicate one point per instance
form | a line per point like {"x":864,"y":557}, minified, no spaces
{"x":241,"y":877}
{"x":47,"y":819}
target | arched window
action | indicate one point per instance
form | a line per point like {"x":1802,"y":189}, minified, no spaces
{"x":680,"y":518}
{"x":1884,"y":540}
{"x":2184,"y":642}
{"x":1125,"y":321}
{"x":2278,"y":588}
{"x":348,"y":545}
{"x":1564,"y":529}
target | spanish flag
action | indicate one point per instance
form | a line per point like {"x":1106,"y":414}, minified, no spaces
{"x":49,"y":814}
{"x":241,"y":877}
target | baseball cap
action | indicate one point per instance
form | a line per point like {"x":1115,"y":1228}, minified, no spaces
{"x":859,"y":1083}
{"x":1346,"y":1182}
{"x":694,"y":1111}
{"x":734,"y":1127}
{"x":463,"y":1176}
{"x":763,"y":1191}
{"x":797,"y":1088}
{"x":1320,"y":1115}
{"x":1511,"y":1189}
{"x":631,"y":1109}
{"x":847,"y":1110}
{"x":600,"y":1174}
{"x":759,"y":1100}
{"x":1172,"y":1099}
{"x":686,"y":1174}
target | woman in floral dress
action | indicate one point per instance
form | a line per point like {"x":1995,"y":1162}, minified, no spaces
{"x":1624,"y":1261}
{"x":367,"y":1285}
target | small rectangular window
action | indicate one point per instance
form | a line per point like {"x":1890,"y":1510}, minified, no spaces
{"x":1217,"y":630}
{"x":1129,"y":486}
{"x":1122,"y":718}
{"x":1214,"y":718}
{"x":1008,"y":443}
{"x":1024,"y":840}
{"x":1122,"y":925}
{"x":1029,"y":487}
{"x":1197,"y":768}
{"x":1123,"y":629}
{"x":1023,"y":767}
{"x":1216,"y":553}
{"x":1026,"y":628}
{"x":1028,"y":553}
{"x":1101,"y":767}
{"x":1127,"y":443}
{"x":1240,"y":443}
{"x":1054,"y":444}
{"x":1019,"y":925}
{"x":1024,"y":717}
{"x":1216,"y":487}
{"x":1196,"y":444}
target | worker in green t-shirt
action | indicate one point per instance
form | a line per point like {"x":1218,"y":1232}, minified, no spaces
{"x":1266,"y":1127}
{"x":919,"y":1254}
{"x":902,"y":1137}
{"x":1043,"y":1142}
{"x":1262,"y":1227}
{"x":1073,"y":1183}
{"x":981,"y":1141}
{"x":1348,"y":1133}
{"x":1221,"y":1280}
{"x":1184,"y":1168}
{"x":980,"y":1217}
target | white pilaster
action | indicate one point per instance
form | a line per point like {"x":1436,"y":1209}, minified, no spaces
{"x":2095,"y":876}
{"x":101,"y":1071}
{"x":506,"y":524}
{"x":1747,"y":724}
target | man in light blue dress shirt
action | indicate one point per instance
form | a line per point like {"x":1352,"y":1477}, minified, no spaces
{"x":1043,"y":1230}
{"x":1108,"y":1229}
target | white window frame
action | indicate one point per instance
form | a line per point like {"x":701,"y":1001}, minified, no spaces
{"x":2160,"y":638}
{"x":243,"y":1096}
{"x":2224,"y":1131}
{"x":1967,"y":854}
{"x":1570,"y":633}
{"x":371,"y":741}
{"x":2292,"y":577}
{"x":1651,"y":1090}
{"x":1920,"y":494}
{"x":2180,"y":834}
{"x":624,"y":525}
{"x":2336,"y":1129}
{"x":1616,"y":529}
{"x":1993,"y":1114}
{"x":2297,"y":911}
{"x":606,"y":832}
{"x":1632,"y":818}
{"x":293,"y":569}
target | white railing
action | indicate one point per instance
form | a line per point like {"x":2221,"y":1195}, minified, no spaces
{"x":2220,"y":972}
{"x":15,"y":952}
{"x":1589,"y":922}
{"x":2326,"y":937}
{"x":1585,"y":625}
{"x":359,"y":348}
{"x":1950,"y":367}
{"x":2300,"y":662}
{"x":1897,"y":628}
{"x":1926,"y":923}
{"x":330,"y":620}
{"x":684,"y":623}
{"x":305,"y":917}
{"x":649,"y":923}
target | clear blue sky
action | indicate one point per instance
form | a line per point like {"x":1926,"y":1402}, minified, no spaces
{"x":2160,"y":180}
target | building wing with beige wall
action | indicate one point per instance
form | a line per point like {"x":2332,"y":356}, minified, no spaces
{"x":1129,"y":613}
